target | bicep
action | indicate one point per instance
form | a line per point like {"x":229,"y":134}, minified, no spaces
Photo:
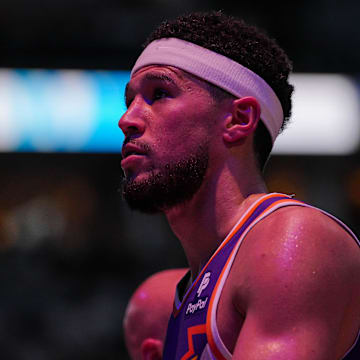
{"x":302,"y":340}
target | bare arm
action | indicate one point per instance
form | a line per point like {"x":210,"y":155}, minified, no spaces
{"x":302,"y":289}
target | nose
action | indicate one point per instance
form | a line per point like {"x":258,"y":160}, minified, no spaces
{"x":132,"y":123}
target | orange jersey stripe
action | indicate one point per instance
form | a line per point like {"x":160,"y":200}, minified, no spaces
{"x":209,"y":334}
{"x":228,"y":238}
{"x":194,"y":330}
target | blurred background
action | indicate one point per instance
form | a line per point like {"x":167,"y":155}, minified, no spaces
{"x":71,"y":252}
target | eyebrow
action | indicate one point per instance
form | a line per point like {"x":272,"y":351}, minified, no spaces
{"x":151,"y":77}
{"x":159,"y":77}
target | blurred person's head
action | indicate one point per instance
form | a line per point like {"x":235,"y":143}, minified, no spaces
{"x":148,"y":313}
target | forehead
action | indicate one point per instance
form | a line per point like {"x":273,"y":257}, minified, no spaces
{"x":158,"y":72}
{"x":168,"y":74}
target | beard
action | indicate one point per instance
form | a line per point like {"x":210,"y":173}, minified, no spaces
{"x":171,"y":185}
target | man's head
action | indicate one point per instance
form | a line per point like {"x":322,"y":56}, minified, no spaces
{"x":264,"y":68}
{"x":148,"y":313}
{"x":244,"y":44}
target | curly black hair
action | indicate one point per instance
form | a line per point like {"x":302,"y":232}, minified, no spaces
{"x":244,"y":44}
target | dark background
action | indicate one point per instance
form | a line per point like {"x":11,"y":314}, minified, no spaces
{"x":71,"y":252}
{"x":319,"y":35}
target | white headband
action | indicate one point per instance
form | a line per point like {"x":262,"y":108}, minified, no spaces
{"x":218,"y":70}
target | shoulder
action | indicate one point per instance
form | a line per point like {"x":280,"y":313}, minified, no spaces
{"x":300,"y":230}
{"x":296,"y":280}
{"x":300,"y":249}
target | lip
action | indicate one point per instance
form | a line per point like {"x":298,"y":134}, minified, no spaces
{"x":131,"y":158}
{"x":132,"y":164}
{"x":131,"y":150}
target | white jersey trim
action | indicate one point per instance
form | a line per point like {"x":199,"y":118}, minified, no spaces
{"x":207,"y":354}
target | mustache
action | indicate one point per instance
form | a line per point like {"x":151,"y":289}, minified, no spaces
{"x":143,"y":146}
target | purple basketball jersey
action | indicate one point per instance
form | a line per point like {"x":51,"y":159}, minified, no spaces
{"x":192,"y":331}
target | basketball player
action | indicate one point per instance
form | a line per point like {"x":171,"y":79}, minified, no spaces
{"x":270,"y":277}
{"x":147,"y":315}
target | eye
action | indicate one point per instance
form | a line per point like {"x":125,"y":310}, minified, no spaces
{"x":159,"y":94}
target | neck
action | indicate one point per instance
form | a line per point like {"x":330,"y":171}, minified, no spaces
{"x":202,"y":223}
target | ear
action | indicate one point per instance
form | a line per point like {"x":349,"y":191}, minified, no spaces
{"x":242,"y":121}
{"x":151,"y":349}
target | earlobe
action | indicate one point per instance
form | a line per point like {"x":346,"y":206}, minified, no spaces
{"x":151,"y":349}
{"x":242,"y":121}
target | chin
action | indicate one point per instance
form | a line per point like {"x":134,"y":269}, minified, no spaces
{"x":168,"y":187}
{"x":136,"y":176}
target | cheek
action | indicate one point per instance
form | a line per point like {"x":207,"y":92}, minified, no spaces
{"x":181,"y":128}
{"x":173,"y":145}
{"x":175,"y":130}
